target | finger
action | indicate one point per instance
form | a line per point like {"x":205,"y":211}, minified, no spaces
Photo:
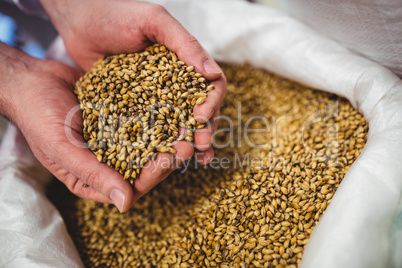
{"x":203,"y":137}
{"x":184,"y":151}
{"x":83,"y":164}
{"x":157,"y":170}
{"x":153,"y":173}
{"x":205,"y":157}
{"x":83,"y":190}
{"x":162,"y":28}
{"x":77,"y":186}
{"x":204,"y":111}
{"x":166,"y":30}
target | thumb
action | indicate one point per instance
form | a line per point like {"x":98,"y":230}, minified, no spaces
{"x":83,"y":164}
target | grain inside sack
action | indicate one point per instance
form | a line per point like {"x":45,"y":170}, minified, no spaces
{"x":245,"y":214}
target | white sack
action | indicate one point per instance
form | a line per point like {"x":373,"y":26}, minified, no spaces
{"x":372,"y":28}
{"x":356,"y":228}
{"x":32,"y":232}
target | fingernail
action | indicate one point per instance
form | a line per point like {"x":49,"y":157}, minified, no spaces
{"x":118,"y":199}
{"x":211,"y":67}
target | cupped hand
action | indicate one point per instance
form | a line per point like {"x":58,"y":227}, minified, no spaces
{"x":37,"y":95}
{"x":93,"y":29}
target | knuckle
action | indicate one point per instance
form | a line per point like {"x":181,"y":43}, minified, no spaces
{"x":222,"y":85}
{"x":162,"y":164}
{"x":192,"y":42}
{"x":74,"y":185}
{"x":152,"y":19}
{"x":155,"y":9}
{"x":225,"y":80}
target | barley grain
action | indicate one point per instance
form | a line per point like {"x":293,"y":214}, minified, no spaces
{"x":244,"y":217}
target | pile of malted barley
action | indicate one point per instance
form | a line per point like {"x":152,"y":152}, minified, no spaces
{"x":133,"y":105}
{"x":257,"y":211}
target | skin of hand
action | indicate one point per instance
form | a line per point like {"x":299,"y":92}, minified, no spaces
{"x":37,"y":95}
{"x":90,"y":30}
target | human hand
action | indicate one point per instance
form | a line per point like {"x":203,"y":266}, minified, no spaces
{"x":92,"y":29}
{"x":37,"y":95}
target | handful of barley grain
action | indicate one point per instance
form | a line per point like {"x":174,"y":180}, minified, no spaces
{"x":134,"y":104}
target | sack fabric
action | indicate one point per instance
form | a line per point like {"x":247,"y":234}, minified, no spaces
{"x":362,"y":227}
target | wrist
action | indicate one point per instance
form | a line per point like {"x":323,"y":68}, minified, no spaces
{"x":15,"y":65}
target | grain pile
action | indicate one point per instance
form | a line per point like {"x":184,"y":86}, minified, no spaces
{"x":134,"y":104}
{"x":257,"y":215}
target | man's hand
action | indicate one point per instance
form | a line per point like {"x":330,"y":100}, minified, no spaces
{"x":37,"y":95}
{"x":93,"y":29}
